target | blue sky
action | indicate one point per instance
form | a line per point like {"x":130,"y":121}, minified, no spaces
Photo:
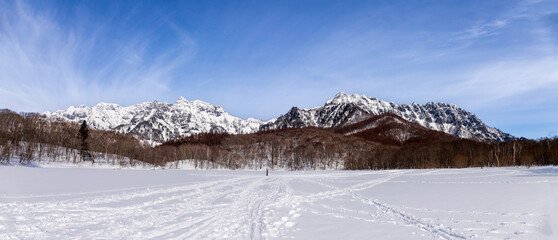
{"x":497,"y":59}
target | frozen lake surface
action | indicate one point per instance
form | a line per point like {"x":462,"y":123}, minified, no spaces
{"x":95,"y":203}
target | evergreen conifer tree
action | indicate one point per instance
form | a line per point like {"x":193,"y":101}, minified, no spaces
{"x":83,"y":134}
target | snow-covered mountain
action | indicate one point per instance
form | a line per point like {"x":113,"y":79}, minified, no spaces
{"x":346,"y":109}
{"x":158,"y":122}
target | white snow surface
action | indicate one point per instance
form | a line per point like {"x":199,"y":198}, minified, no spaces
{"x":101,"y":203}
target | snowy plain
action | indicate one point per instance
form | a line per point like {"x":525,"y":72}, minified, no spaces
{"x":65,"y":202}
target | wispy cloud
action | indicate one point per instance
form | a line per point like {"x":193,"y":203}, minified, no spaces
{"x":485,"y":29}
{"x":45,"y":63}
{"x":504,"y":79}
{"x":529,"y":67}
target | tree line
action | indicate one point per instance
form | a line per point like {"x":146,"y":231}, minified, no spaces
{"x":314,"y":148}
{"x":32,"y":137}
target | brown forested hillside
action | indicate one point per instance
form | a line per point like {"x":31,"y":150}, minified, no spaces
{"x":391,"y":129}
{"x":294,"y":148}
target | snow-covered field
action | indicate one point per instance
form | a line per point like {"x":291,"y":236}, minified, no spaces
{"x":101,"y":203}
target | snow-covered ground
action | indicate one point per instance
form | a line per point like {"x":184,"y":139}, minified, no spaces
{"x":101,"y":203}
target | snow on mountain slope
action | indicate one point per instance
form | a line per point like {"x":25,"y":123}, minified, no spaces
{"x":346,"y":109}
{"x":158,"y":122}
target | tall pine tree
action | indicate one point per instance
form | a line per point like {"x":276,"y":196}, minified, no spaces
{"x":83,"y":134}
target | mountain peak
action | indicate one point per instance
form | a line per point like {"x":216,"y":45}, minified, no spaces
{"x":106,"y":105}
{"x":181,"y":100}
{"x":342,"y":97}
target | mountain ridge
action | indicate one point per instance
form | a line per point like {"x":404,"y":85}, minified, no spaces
{"x":345,"y":109}
{"x":157,"y":122}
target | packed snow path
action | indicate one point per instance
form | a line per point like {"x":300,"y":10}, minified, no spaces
{"x":76,"y":203}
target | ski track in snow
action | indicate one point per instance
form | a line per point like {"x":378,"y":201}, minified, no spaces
{"x":246,"y":205}
{"x":398,"y":216}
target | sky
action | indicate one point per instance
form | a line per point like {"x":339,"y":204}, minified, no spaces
{"x":496,"y":59}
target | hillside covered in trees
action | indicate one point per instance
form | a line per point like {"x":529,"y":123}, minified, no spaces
{"x":381,"y":142}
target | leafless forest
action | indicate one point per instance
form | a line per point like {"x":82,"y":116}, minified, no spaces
{"x":31,"y":137}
